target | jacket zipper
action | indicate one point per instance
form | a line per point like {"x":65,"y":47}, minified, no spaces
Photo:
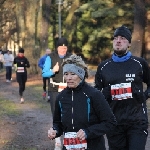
{"x":72,"y":110}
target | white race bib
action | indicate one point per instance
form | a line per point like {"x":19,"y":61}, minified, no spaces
{"x":121,"y":91}
{"x":72,"y":142}
{"x":20,"y":69}
{"x":61,"y":86}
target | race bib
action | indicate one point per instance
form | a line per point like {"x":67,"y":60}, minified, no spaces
{"x":71,"y":142}
{"x":121,"y":91}
{"x":20,"y":69}
{"x":61,"y":86}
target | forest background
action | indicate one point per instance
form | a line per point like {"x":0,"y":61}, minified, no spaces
{"x":87,"y":24}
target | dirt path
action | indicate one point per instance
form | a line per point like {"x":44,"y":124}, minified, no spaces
{"x":28,"y":129}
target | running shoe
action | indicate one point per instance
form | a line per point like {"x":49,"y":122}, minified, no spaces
{"x":21,"y":100}
{"x":8,"y":81}
{"x":48,"y":98}
{"x":44,"y":95}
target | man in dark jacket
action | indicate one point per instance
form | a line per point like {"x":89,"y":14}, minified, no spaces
{"x":56,"y":81}
{"x":121,"y":80}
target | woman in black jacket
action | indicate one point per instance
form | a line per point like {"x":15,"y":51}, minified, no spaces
{"x":21,"y":63}
{"x":81,"y":111}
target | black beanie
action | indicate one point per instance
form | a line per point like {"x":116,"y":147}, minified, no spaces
{"x":123,"y":31}
{"x":21,"y":50}
{"x":62,"y":42}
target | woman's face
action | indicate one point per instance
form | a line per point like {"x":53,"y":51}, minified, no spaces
{"x":21,"y":54}
{"x":72,"y":79}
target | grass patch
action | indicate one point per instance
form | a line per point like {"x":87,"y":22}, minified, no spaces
{"x":8,"y":108}
{"x":34,"y":95}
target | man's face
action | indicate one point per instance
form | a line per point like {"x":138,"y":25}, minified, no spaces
{"x":62,"y":50}
{"x":120,"y":45}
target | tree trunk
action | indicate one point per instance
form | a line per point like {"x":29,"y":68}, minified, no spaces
{"x":20,"y":10}
{"x":45,"y":23}
{"x":71,"y":25}
{"x":139,"y":27}
{"x":147,"y":35}
{"x":30,"y":44}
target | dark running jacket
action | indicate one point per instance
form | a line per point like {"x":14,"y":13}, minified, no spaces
{"x":134,"y":71}
{"x":84,"y":108}
{"x":21,"y":63}
{"x":58,"y":76}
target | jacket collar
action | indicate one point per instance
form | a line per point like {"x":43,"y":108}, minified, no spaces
{"x":79,"y":87}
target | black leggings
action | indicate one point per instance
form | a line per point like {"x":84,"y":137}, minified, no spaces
{"x":53,"y":96}
{"x":8,"y":72}
{"x":21,"y":79}
{"x":45,"y":79}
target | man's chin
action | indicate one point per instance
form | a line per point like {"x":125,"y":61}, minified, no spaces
{"x":119,"y":52}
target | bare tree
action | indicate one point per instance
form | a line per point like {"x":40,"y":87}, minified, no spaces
{"x":45,"y":23}
{"x":20,"y":22}
{"x":146,"y":51}
{"x":33,"y":24}
{"x":139,"y":27}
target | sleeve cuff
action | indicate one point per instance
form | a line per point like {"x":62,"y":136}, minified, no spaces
{"x":85,"y":133}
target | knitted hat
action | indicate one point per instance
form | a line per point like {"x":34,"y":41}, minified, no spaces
{"x":124,"y":32}
{"x":62,"y":42}
{"x":75,"y":69}
{"x":21,"y":50}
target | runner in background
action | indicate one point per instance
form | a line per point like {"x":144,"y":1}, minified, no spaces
{"x":57,"y":80}
{"x":121,"y":80}
{"x":41,"y":63}
{"x":21,"y":63}
{"x":1,"y":60}
{"x":8,"y":62}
